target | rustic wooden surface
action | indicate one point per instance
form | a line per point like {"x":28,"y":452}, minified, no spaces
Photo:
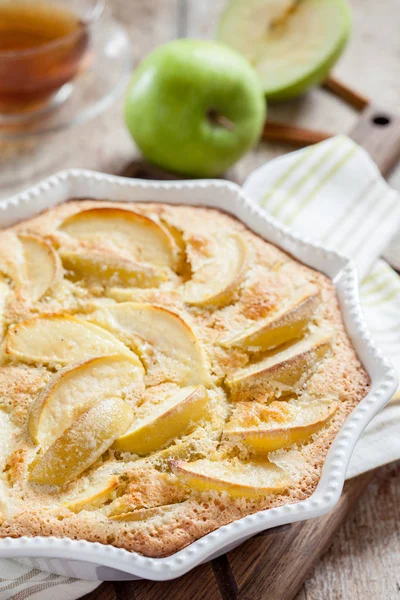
{"x":362,"y":563}
{"x":364,"y":559}
{"x":378,"y":131}
{"x":270,"y":565}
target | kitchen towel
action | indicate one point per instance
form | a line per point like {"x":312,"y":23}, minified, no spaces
{"x":331,"y":193}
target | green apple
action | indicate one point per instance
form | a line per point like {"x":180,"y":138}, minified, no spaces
{"x":195,"y":107}
{"x":293,"y":44}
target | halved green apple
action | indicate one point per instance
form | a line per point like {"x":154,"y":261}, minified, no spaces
{"x":281,"y":424}
{"x":276,"y":374}
{"x":165,"y":421}
{"x":77,"y":388}
{"x":292,"y":44}
{"x":60,"y":339}
{"x":79,"y":446}
{"x":240,"y":479}
{"x":143,"y":238}
{"x":164,"y":340}
{"x":288,"y":324}
{"x":217,"y":279}
{"x":106,"y":268}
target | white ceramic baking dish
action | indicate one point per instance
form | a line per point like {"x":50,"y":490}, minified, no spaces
{"x":95,"y":561}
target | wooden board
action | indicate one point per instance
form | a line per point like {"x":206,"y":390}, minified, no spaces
{"x":274,"y":563}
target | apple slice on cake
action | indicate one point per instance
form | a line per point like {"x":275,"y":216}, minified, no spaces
{"x":94,"y":496}
{"x":240,"y":479}
{"x":289,"y":323}
{"x":59,"y":339}
{"x":109,"y":268}
{"x":164,"y":340}
{"x":31,"y":263}
{"x":79,"y":446}
{"x":43,"y":270}
{"x":123,"y":229}
{"x":4,"y":291}
{"x":165,"y":421}
{"x":278,"y":373}
{"x":12,"y":259}
{"x":77,"y":388}
{"x":217,"y":279}
{"x":265,"y":428}
{"x":142,"y":514}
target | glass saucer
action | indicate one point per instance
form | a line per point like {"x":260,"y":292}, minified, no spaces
{"x":88,"y":95}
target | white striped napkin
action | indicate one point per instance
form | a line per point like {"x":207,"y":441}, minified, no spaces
{"x":334,"y":194}
{"x":18,"y":581}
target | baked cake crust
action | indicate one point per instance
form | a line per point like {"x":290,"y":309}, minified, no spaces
{"x":198,"y":372}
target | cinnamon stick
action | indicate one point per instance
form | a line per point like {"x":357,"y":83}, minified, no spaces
{"x":298,"y":136}
{"x":346,"y":93}
{"x":290,"y":134}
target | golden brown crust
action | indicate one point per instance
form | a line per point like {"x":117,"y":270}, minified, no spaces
{"x":170,"y":514}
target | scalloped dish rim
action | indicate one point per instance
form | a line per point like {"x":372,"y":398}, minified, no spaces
{"x":107,"y":562}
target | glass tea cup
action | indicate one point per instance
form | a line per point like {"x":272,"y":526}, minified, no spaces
{"x":44,"y":44}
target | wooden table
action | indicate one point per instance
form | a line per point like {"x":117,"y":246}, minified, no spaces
{"x":364,"y":560}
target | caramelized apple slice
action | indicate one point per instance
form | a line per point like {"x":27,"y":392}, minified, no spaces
{"x":141,"y":514}
{"x":193,"y":446}
{"x":8,"y":433}
{"x":75,"y":389}
{"x":94,"y":496}
{"x":276,"y":374}
{"x":43,"y":269}
{"x":164,"y":340}
{"x":31,"y":263}
{"x":59,"y":339}
{"x":146,"y":240}
{"x":12,"y":259}
{"x":286,"y":325}
{"x":165,"y":421}
{"x":82,"y":443}
{"x":215,"y":282}
{"x":4,"y":291}
{"x":281,"y":424}
{"x":106,"y":268}
{"x":239,"y":479}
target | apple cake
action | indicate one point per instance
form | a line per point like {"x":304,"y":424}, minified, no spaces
{"x":164,"y":371}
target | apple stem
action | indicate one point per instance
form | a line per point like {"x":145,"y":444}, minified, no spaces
{"x":219,"y":120}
